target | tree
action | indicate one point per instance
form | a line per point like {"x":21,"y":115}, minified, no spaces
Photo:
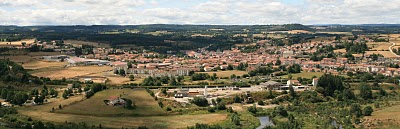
{"x":65,"y":94}
{"x":129,"y":104}
{"x":233,"y":76}
{"x":131,"y":77}
{"x":230,"y":67}
{"x":199,"y":101}
{"x":252,"y":109}
{"x":173,"y":82}
{"x":329,"y":84}
{"x":355,"y":109}
{"x":180,"y":78}
{"x":365,"y":91}
{"x":278,"y":62}
{"x":292,"y":92}
{"x":368,"y":111}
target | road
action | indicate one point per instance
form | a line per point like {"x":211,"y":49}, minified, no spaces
{"x":390,"y":49}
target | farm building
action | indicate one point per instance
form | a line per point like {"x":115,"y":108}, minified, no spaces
{"x":82,"y":61}
{"x":116,"y":101}
{"x":271,"y":85}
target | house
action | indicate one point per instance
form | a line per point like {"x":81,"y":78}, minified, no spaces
{"x":115,"y":101}
{"x":293,"y":83}
{"x":314,"y":82}
{"x":182,"y":93}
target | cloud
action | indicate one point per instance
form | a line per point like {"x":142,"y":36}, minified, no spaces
{"x":88,"y":12}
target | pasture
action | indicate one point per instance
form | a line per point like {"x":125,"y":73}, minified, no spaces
{"x":93,"y":111}
{"x":224,"y":74}
{"x":146,"y":105}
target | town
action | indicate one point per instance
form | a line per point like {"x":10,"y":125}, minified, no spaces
{"x":259,"y":79}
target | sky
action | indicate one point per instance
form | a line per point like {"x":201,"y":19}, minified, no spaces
{"x":201,"y":12}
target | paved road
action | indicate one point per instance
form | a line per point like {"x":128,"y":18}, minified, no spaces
{"x":390,"y":49}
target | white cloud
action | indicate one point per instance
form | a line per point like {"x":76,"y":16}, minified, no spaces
{"x":72,"y":12}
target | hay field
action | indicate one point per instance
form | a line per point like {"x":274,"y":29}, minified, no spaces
{"x":226,"y":73}
{"x":379,"y":46}
{"x":70,"y":72}
{"x":17,"y":43}
{"x":299,"y":32}
{"x":146,"y":105}
{"x":386,"y":54}
{"x":340,"y":50}
{"x":341,"y":33}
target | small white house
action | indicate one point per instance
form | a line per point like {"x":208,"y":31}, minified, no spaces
{"x":314,"y":82}
{"x":116,"y":101}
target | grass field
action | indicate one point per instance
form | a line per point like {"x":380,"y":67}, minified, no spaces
{"x":70,"y":72}
{"x":94,"y":106}
{"x":146,"y":105}
{"x":305,"y":75}
{"x":227,"y":73}
{"x":388,"y":116}
{"x":386,"y":54}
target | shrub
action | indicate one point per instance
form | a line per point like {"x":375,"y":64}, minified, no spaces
{"x":368,"y":111}
{"x":260,"y":102}
{"x":199,"y":101}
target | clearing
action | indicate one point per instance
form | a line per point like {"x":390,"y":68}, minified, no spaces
{"x":224,"y":74}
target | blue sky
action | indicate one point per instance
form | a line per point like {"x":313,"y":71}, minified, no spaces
{"x":132,"y":12}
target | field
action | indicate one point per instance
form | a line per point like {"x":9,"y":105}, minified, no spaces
{"x":305,"y":75}
{"x":386,"y":54}
{"x":340,"y":50}
{"x":70,"y":72}
{"x":35,"y":65}
{"x":379,"y":46}
{"x":299,"y":32}
{"x":388,"y":117}
{"x":343,"y":33}
{"x":76,"y":42}
{"x":227,"y":73}
{"x":98,"y":113}
{"x":146,"y":105}
{"x":23,"y":57}
{"x":17,"y":43}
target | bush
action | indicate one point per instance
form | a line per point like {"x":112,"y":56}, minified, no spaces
{"x":168,"y":109}
{"x":252,"y":109}
{"x":211,"y":109}
{"x":368,"y":111}
{"x":199,"y":101}
{"x":260,"y":102}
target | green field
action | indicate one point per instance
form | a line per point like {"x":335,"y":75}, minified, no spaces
{"x":226,"y":73}
{"x":93,"y":111}
{"x":305,"y":75}
{"x":146,"y":105}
